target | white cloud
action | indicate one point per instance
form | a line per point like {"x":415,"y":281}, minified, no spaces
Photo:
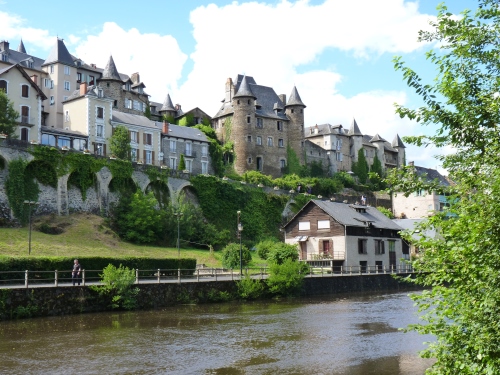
{"x":13,"y":29}
{"x":157,"y":58}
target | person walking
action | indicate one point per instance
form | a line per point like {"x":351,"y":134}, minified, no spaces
{"x":75,"y":275}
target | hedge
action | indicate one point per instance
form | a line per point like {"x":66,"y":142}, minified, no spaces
{"x":65,"y":265}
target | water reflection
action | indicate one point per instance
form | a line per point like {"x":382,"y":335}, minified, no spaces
{"x":328,"y":335}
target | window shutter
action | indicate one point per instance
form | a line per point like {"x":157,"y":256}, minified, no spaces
{"x":341,"y":157}
{"x":112,"y":130}
{"x":144,"y":156}
{"x":94,"y":146}
{"x":320,"y":247}
{"x":153,"y":158}
{"x":382,"y":246}
{"x":331,"y":247}
{"x":144,"y":139}
{"x":104,"y":150}
{"x":129,"y":135}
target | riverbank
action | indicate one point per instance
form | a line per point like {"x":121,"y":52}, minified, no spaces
{"x":52,"y":301}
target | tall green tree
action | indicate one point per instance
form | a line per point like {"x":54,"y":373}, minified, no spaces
{"x":120,"y":143}
{"x":360,"y":167}
{"x":182,"y":163}
{"x":8,"y":116}
{"x":461,"y":266}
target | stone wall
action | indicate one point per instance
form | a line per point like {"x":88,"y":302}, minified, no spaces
{"x":66,"y":300}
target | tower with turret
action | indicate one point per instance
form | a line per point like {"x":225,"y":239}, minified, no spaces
{"x":294,"y":110}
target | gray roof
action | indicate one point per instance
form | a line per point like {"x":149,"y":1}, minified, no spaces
{"x":16,"y":57}
{"x":354,"y":129}
{"x":244,"y":89}
{"x":377,"y":138}
{"x":184,"y":132}
{"x":410,"y":224}
{"x":59,"y":54}
{"x":167,"y":104}
{"x":295,"y":98}
{"x":347,"y":215}
{"x":21,"y":48}
{"x":110,"y":72}
{"x":323,"y":129}
{"x":431,"y":174}
{"x":131,"y":119}
{"x":397,"y":142}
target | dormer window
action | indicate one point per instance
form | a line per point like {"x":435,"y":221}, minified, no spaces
{"x":5,"y":57}
{"x":127,"y":86}
{"x":30,"y":64}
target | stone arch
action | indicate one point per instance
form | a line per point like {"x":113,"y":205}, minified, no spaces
{"x":161,"y":191}
{"x":190,"y":194}
{"x":176,"y":185}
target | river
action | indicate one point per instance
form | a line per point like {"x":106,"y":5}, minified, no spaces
{"x":352,"y":335}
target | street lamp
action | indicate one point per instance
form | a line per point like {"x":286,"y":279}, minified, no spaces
{"x":30,"y":204}
{"x":178,"y":215}
{"x":240,"y":229}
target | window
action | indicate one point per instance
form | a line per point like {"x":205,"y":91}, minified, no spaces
{"x":173,"y":163}
{"x":204,"y":150}
{"x":249,"y":138}
{"x":379,"y":247}
{"x":149,"y":156}
{"x":115,"y":103}
{"x":281,"y":143}
{"x":304,"y":225}
{"x":259,"y":163}
{"x":48,"y":139}
{"x":258,"y":140}
{"x":338,"y":156}
{"x":91,"y":80}
{"x":100,"y":130}
{"x":173,"y":145}
{"x":133,"y":154}
{"x":249,"y":160}
{"x":362,"y":246}
{"x":282,"y":163}
{"x":66,"y":85}
{"x":99,"y":149}
{"x":5,"y":57}
{"x":270,"y":141}
{"x":3,"y":85}
{"x":392,"y":246}
{"x":363,"y":264}
{"x":279,"y":125}
{"x":65,"y":98}
{"x":25,"y":91}
{"x":128,"y":103}
{"x":134,"y":136}
{"x":204,"y":167}
{"x":260,"y":123}
{"x":189,"y":165}
{"x":189,"y":149}
{"x":137,"y":105}
{"x":51,"y":69}
{"x":78,"y":77}
{"x":24,"y":134}
{"x":127,"y":86}
{"x":379,"y":265}
{"x":48,"y":83}
{"x":66,"y":70}
{"x":249,"y":119}
{"x":63,"y":142}
{"x":30,"y":64}
{"x":25,"y":114}
{"x":79,"y":144}
{"x":100,"y":113}
{"x":323,"y":224}
{"x":66,"y":116}
{"x":148,"y":139}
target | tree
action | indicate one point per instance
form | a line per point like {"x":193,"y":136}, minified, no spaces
{"x":461,"y":265}
{"x":182,"y":163}
{"x":231,"y":256}
{"x":377,"y":166}
{"x":360,"y":168}
{"x":8,"y":116}
{"x":120,"y":143}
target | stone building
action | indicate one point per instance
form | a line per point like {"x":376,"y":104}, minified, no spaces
{"x":261,"y":125}
{"x":337,"y":148}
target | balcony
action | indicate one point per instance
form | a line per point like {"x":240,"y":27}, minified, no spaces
{"x":26,"y":120}
{"x":190,"y":154}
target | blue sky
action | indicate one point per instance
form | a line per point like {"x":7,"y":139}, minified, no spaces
{"x":338,"y":53}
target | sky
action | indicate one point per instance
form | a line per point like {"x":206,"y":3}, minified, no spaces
{"x":337,"y":53}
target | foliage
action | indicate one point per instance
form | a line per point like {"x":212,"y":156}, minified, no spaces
{"x":136,"y":219}
{"x":187,"y":120}
{"x":43,"y":171}
{"x":386,"y":212}
{"x":147,"y":112}
{"x":286,"y":279}
{"x":264,"y":247}
{"x":360,"y":167}
{"x":345,"y":179}
{"x":214,"y":149}
{"x":214,"y":295}
{"x":8,"y":116}
{"x":231,"y":256}
{"x":281,"y":252}
{"x":315,"y":169}
{"x":120,"y":143}
{"x":20,"y":187}
{"x":170,"y":119}
{"x":249,"y":288}
{"x":182,"y":163}
{"x":377,"y":166}
{"x":460,"y":265}
{"x":118,"y":284}
{"x":293,"y":162}
{"x":256,"y":177}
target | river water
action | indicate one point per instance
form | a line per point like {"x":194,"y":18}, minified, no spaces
{"x":353,"y":335}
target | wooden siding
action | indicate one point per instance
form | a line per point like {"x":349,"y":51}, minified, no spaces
{"x":313,"y":213}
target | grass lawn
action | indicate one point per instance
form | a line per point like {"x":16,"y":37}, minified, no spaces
{"x":88,"y":235}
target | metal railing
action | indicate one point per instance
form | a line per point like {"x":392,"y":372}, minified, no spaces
{"x":32,"y":279}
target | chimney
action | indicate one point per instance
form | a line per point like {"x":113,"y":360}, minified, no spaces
{"x":4,"y":45}
{"x":135,"y":78}
{"x":165,"y":127}
{"x":282,"y":98}
{"x":411,"y":163}
{"x":229,"y":90}
{"x":177,"y":107}
{"x":83,"y":88}
{"x":93,"y":65}
{"x":34,"y":78}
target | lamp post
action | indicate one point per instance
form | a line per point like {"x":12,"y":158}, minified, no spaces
{"x":240,"y":229}
{"x":178,"y":215}
{"x":30,"y":204}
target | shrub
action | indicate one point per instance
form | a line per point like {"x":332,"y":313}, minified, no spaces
{"x":118,"y":285}
{"x":286,"y":279}
{"x":231,"y":256}
{"x":386,"y":212}
{"x":249,"y":288}
{"x":264,"y":247}
{"x":282,"y":252}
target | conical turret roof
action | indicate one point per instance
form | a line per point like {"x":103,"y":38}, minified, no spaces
{"x":397,"y":142}
{"x":21,"y":48}
{"x":167,"y":104}
{"x":59,"y":54}
{"x":354,"y":129}
{"x":377,"y":138}
{"x":244,"y":89}
{"x":110,"y":71}
{"x":295,"y":98}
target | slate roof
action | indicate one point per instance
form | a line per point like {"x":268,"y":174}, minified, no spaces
{"x":354,"y":129}
{"x":377,"y":138}
{"x":410,"y":224}
{"x":183,"y":132}
{"x":59,"y":54}
{"x":167,"y":104}
{"x":347,"y":215}
{"x":91,"y":91}
{"x":16,"y":57}
{"x":131,"y":119}
{"x":432,"y":174}
{"x":21,"y":48}
{"x":324,"y":129}
{"x":397,"y":142}
{"x":295,"y":98}
{"x":244,"y":89}
{"x":110,"y":72}
{"x":265,"y":96}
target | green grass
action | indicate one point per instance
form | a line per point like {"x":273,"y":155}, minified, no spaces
{"x":88,"y":235}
